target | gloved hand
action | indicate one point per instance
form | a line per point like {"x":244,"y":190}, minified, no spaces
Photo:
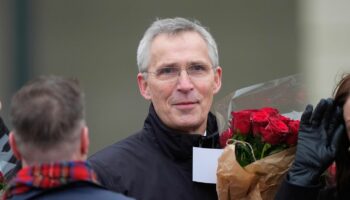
{"x":319,"y":134}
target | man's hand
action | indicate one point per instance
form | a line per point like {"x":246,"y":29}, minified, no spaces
{"x":319,"y":134}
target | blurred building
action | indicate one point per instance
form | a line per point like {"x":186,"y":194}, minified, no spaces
{"x":96,"y":42}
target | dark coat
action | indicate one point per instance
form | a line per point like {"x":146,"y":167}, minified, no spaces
{"x":155,"y":163}
{"x":288,"y":191}
{"x":76,"y":190}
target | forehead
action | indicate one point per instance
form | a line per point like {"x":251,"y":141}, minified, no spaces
{"x":187,"y":46}
{"x":181,"y":38}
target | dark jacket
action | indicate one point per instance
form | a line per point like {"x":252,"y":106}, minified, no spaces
{"x":77,"y":190}
{"x":155,"y":163}
{"x":288,"y":191}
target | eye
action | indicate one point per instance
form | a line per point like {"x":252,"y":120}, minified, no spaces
{"x":198,"y":68}
{"x":167,"y":71}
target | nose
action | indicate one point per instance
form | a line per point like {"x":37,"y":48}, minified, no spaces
{"x":184,"y":82}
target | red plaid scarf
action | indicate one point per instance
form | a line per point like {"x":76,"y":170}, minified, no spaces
{"x":48,"y":176}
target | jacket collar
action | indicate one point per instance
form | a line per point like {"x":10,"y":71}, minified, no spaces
{"x":178,"y":145}
{"x":50,"y":175}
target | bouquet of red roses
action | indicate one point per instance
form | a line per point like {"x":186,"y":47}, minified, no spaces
{"x":259,"y":133}
{"x":258,"y":140}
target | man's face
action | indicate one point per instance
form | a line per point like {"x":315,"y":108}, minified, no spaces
{"x":183,"y":102}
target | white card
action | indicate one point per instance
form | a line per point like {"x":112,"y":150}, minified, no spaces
{"x":205,"y":163}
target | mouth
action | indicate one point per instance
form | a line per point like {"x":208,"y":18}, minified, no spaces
{"x":185,"y":105}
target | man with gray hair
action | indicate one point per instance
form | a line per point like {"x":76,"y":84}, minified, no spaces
{"x":179,"y":74}
{"x":51,"y":140}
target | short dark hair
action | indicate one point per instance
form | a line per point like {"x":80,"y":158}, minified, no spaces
{"x":47,"y":111}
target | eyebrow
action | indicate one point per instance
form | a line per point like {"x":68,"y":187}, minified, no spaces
{"x":196,"y":63}
{"x":168,"y":65}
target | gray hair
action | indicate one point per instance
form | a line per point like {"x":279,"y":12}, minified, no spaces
{"x":173,"y":26}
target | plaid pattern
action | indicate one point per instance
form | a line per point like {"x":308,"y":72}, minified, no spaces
{"x":48,"y":176}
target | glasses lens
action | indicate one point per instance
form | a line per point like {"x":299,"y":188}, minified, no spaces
{"x":172,"y":73}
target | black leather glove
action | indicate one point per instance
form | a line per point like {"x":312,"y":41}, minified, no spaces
{"x":319,"y":134}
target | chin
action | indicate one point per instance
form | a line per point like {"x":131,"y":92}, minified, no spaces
{"x":188,"y":126}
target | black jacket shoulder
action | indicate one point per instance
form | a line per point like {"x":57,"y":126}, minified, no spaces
{"x":155,"y":163}
{"x":76,"y":190}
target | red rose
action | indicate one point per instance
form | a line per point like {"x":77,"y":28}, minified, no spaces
{"x":292,"y":137}
{"x":275,"y":132}
{"x":259,"y":120}
{"x":278,"y":125}
{"x":227,"y":134}
{"x":270,"y":111}
{"x":268,"y":136}
{"x":241,"y":121}
{"x":294,"y":126}
{"x":286,"y":120}
{"x":260,"y":117}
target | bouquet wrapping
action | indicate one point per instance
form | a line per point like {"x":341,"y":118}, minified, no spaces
{"x":259,"y":126}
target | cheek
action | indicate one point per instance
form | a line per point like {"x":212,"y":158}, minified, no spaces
{"x":160,"y":92}
{"x":206,"y":90}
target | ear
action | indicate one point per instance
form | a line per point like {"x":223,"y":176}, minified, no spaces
{"x":143,"y":86}
{"x":217,"y":79}
{"x":84,"y":141}
{"x":14,"y":147}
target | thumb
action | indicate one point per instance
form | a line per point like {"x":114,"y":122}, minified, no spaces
{"x":338,"y":134}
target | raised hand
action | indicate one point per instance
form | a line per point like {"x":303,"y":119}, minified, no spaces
{"x":319,"y":134}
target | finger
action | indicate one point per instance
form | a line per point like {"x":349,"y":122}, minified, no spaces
{"x":318,"y":113}
{"x":335,"y":120}
{"x":337,"y":136}
{"x":305,"y":117}
{"x":329,"y":113}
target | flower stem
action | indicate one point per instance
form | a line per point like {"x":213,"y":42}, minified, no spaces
{"x":265,"y":148}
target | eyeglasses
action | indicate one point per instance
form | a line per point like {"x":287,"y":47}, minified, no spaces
{"x":196,"y":71}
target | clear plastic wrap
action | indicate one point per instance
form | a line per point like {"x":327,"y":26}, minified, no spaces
{"x":259,"y":179}
{"x":287,"y":94}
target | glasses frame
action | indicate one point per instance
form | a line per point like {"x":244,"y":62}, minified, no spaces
{"x":176,"y":77}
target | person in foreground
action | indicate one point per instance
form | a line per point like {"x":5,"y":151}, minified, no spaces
{"x":179,"y":74}
{"x":322,"y":140}
{"x":51,"y":140}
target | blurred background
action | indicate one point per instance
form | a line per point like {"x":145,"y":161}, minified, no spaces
{"x":96,"y":41}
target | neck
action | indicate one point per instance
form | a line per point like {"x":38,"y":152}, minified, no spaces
{"x":51,"y":156}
